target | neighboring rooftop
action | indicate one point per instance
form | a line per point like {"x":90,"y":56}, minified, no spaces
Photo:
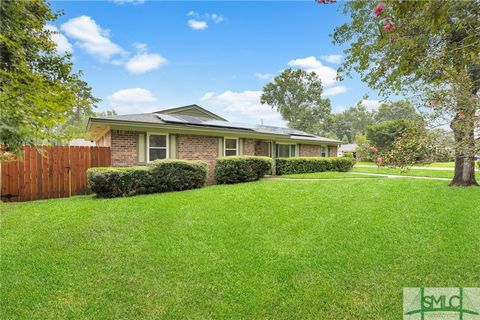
{"x":194,"y":115}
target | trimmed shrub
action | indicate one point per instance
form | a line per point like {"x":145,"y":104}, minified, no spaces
{"x":312,"y":164}
{"x":242,"y":169}
{"x":159,"y":176}
{"x":176,"y":175}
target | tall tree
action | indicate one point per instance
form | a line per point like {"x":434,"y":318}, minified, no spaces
{"x":426,"y":47}
{"x":297,"y":95}
{"x":77,"y":117}
{"x":351,"y":122}
{"x":38,"y":90}
{"x":397,"y":110}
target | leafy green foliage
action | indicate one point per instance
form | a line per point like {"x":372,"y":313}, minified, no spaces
{"x":38,"y":90}
{"x":159,"y":176}
{"x":242,"y":169}
{"x":297,"y":95}
{"x":312,"y":164}
{"x":428,"y":49}
{"x":397,"y":110}
{"x":383,"y":134}
{"x":412,"y":147}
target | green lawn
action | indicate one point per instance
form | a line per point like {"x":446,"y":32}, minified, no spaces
{"x":273,"y":249}
{"x":329,"y":175}
{"x":411,"y":172}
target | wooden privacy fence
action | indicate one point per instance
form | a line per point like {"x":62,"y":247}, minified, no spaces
{"x":50,"y":172}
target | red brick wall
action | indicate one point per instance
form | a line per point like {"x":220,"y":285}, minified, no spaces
{"x":332,"y":151}
{"x":248,"y":147}
{"x":123,"y":148}
{"x":199,"y":148}
{"x":261,"y":148}
{"x":309,"y":150}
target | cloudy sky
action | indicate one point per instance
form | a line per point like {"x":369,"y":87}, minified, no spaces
{"x":142,"y":56}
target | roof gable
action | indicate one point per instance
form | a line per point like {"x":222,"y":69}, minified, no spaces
{"x":192,"y":110}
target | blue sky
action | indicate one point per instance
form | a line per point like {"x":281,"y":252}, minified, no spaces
{"x":145,"y":56}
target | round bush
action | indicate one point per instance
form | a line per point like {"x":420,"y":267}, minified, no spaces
{"x":242,"y":169}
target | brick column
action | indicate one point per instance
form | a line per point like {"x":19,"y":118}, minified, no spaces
{"x":123,"y":148}
{"x":203,"y":148}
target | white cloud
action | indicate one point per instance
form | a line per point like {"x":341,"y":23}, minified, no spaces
{"x":144,"y":62}
{"x":217,"y":18}
{"x":134,"y":2}
{"x":370,"y":104}
{"x":263,"y":76}
{"x":91,"y":37}
{"x":199,"y":21}
{"x":60,"y":40}
{"x":132,"y":100}
{"x":334,"y":90}
{"x":197,"y":24}
{"x":207,"y":96}
{"x":326,"y":74}
{"x":332,"y":58}
{"x":245,"y":105}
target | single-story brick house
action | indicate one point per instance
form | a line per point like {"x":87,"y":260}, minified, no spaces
{"x":194,"y":133}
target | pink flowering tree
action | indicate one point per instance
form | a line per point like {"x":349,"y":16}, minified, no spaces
{"x":427,"y":50}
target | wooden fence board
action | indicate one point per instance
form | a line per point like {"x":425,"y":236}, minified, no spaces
{"x":50,"y":172}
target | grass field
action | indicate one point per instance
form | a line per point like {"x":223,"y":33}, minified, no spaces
{"x":273,"y":249}
{"x":329,"y":175}
{"x":411,"y":172}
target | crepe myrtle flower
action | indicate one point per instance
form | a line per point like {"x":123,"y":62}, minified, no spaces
{"x":378,"y":9}
{"x":373,"y":150}
{"x":387,"y":25}
{"x":379,"y":161}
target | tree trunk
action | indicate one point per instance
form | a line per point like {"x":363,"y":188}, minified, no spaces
{"x":463,"y":130}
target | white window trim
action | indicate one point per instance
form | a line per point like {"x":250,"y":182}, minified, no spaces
{"x":167,"y":137}
{"x":326,"y":153}
{"x":289,"y":149}
{"x":225,"y":145}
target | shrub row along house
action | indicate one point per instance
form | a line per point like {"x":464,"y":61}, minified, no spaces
{"x":194,"y":133}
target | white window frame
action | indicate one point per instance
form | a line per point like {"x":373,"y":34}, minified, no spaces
{"x":225,"y":146}
{"x":167,"y":137}
{"x":326,"y":152}
{"x":289,"y":149}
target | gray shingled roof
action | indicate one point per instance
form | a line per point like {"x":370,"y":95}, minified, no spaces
{"x":159,"y":118}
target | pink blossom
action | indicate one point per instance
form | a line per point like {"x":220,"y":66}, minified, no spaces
{"x":373,"y":150}
{"x":389,"y":27}
{"x":379,"y":161}
{"x":378,"y":9}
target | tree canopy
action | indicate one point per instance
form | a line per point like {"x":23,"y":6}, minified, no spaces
{"x":39,"y":91}
{"x":297,"y":95}
{"x":428,"y":49}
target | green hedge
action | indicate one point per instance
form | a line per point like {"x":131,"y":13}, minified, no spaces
{"x":159,"y":176}
{"x":242,"y":169}
{"x":311,"y":164}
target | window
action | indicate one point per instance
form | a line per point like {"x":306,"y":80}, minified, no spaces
{"x":324,"y":151}
{"x":231,"y":147}
{"x":157,"y":147}
{"x":286,"y":150}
